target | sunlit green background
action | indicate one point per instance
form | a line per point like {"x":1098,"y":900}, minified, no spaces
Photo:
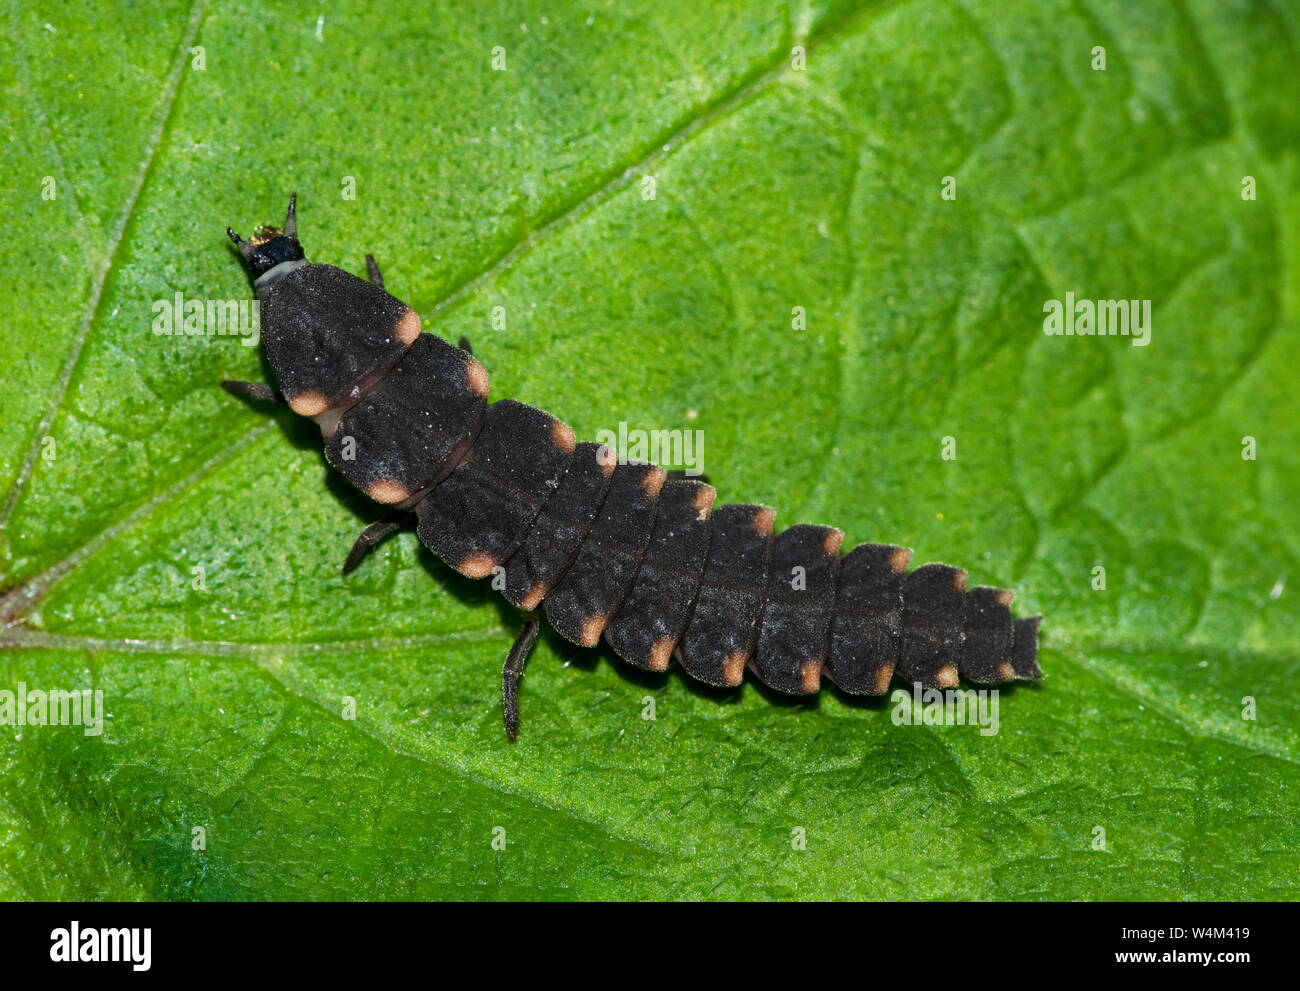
{"x":179,"y":550}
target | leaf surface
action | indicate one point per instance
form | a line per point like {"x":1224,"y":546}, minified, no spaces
{"x":179,"y":550}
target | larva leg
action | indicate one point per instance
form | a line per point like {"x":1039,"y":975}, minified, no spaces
{"x":253,"y":390}
{"x":512,"y":672}
{"x":372,"y":270}
{"x":463,"y":344}
{"x":371,"y":536}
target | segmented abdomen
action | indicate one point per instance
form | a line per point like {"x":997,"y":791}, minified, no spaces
{"x":646,"y":561}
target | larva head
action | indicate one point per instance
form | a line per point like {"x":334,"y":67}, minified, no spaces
{"x":328,"y":335}
{"x":273,"y":252}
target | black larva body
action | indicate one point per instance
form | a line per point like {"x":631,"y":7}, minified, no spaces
{"x":621,"y":551}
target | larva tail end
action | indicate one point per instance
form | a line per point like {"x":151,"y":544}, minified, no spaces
{"x":1024,"y":655}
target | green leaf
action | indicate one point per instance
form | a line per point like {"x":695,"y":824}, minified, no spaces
{"x":179,"y":550}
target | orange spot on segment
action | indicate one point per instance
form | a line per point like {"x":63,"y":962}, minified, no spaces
{"x":562,"y":436}
{"x":811,"y":677}
{"x":1006,"y":672}
{"x":763,"y":521}
{"x":477,"y":377}
{"x":703,"y":501}
{"x":607,"y":458}
{"x":898,"y":560}
{"x":946,"y":676}
{"x":959,"y":580}
{"x":592,"y":627}
{"x":310,"y":403}
{"x":388,"y":492}
{"x":831,"y":544}
{"x":660,"y":653}
{"x":654,"y":481}
{"x":883,"y":677}
{"x":408,"y":327}
{"x":532,"y":598}
{"x":1005,"y":596}
{"x":477,"y":565}
{"x":733,"y":668}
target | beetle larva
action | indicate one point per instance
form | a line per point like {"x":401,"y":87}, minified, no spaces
{"x":617,"y":550}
